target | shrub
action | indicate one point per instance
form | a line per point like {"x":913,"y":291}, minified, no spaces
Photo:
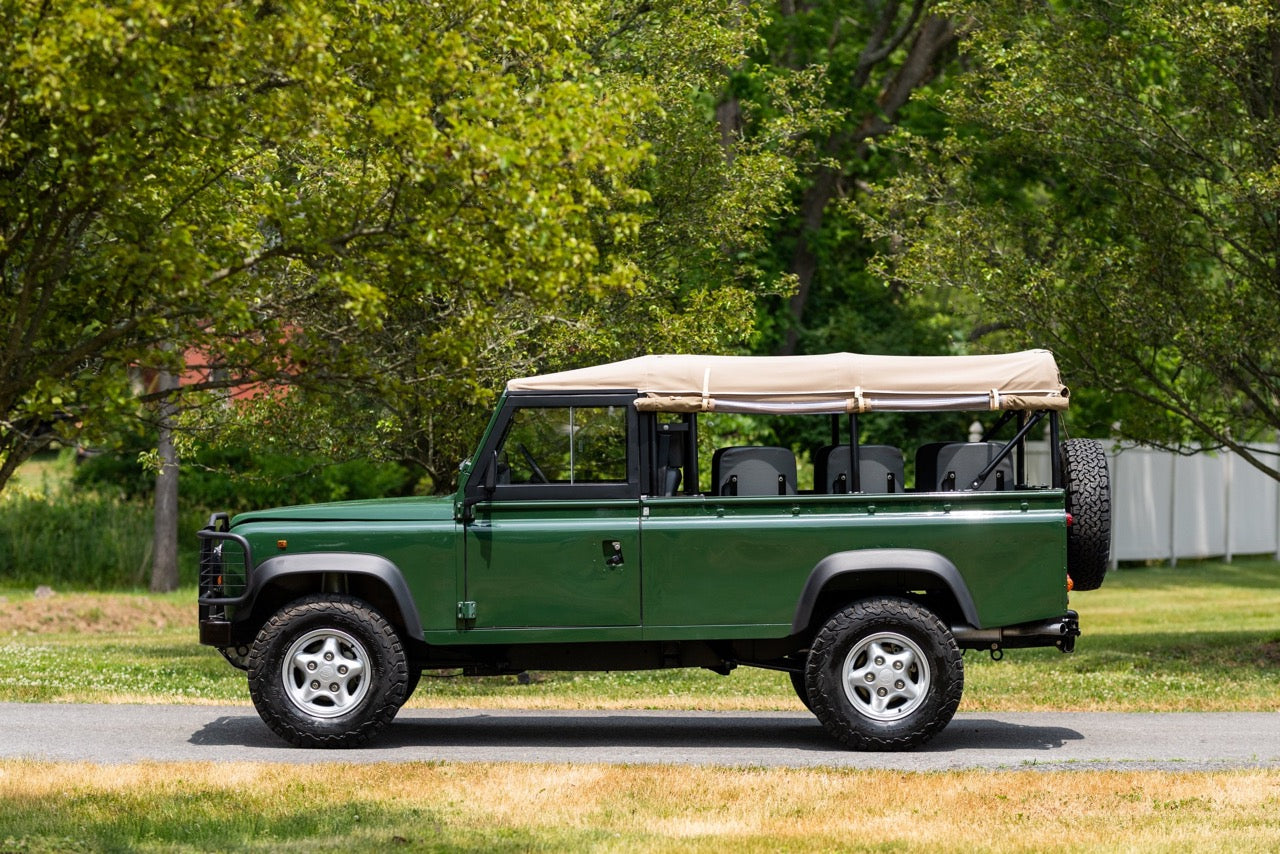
{"x":240,"y":479}
{"x":84,"y":541}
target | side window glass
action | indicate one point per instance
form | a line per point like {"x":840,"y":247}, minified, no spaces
{"x":565,"y":445}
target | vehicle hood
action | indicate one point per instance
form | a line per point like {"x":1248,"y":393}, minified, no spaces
{"x":416,"y":509}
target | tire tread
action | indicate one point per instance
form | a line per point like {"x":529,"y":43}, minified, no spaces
{"x":858,"y":618}
{"x":1088,"y":486}
{"x":263,"y":664}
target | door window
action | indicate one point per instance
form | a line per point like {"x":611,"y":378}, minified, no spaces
{"x":566,"y":445}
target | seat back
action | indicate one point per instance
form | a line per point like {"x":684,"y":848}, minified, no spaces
{"x":753,"y":470}
{"x":960,"y":462}
{"x":670,"y":462}
{"x":880,"y":469}
{"x":927,"y":466}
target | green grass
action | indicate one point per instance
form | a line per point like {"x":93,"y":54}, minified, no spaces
{"x":1201,"y":637}
{"x":53,"y":534}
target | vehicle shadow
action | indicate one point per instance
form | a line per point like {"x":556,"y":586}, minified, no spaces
{"x":985,"y":734}
{"x":666,"y":734}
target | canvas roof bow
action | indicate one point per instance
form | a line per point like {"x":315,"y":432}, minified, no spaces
{"x":829,"y":383}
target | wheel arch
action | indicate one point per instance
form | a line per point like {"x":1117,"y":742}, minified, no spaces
{"x":373,"y":578}
{"x":844,"y":575}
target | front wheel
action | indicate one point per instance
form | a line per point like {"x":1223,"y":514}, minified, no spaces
{"x":884,"y":674}
{"x":327,"y":671}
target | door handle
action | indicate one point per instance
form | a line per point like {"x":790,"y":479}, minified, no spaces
{"x":612,"y":552}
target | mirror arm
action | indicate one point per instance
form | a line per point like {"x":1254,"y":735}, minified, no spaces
{"x":488,"y":484}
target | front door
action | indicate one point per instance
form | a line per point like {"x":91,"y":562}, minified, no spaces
{"x":557,"y":542}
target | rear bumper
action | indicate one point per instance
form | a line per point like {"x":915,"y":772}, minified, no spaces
{"x":1060,"y":632}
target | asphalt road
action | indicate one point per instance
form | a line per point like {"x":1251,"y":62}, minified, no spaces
{"x":1043,"y":740}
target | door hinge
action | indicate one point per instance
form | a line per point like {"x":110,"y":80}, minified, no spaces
{"x":466,"y":610}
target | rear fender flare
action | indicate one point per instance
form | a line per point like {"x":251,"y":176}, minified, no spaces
{"x":909,"y":563}
{"x":342,"y":563}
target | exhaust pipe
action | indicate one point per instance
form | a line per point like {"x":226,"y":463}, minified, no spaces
{"x":1057,"y":631}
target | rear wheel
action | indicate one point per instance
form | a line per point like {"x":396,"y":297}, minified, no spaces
{"x":327,"y":671}
{"x":884,"y":674}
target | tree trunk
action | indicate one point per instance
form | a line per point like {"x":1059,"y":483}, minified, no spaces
{"x":930,"y":38}
{"x":164,"y":568}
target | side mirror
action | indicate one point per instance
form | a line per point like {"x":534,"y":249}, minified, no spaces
{"x":487,"y":485}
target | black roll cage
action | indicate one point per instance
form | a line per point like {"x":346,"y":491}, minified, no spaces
{"x":651,"y":444}
{"x":1016,"y":445}
{"x":658,"y":437}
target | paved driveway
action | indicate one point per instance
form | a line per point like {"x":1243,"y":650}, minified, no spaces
{"x":1045,"y":740}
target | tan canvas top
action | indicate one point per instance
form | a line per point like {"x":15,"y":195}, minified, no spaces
{"x":835,"y":382}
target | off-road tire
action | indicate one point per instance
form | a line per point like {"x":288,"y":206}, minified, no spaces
{"x":361,"y":675}
{"x":1088,"y":486}
{"x":802,"y":690}
{"x":415,"y":676}
{"x":884,"y":674}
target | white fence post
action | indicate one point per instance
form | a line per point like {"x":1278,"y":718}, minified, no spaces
{"x":1228,"y":466}
{"x":1173,"y":509}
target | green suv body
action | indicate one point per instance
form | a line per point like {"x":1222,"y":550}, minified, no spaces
{"x":593,"y":530}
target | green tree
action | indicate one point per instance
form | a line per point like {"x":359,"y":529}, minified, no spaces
{"x":666,"y":259}
{"x":869,"y":62}
{"x":266,"y":182}
{"x":1111,"y":190}
{"x":388,"y":210}
{"x":261,"y":185}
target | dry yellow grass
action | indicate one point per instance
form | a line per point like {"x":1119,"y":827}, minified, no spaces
{"x":93,"y":614}
{"x":660,"y":808}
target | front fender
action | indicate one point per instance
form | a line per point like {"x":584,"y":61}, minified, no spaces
{"x":345,"y":563}
{"x":903,"y":566}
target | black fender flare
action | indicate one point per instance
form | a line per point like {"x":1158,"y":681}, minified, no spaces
{"x":866,"y":562}
{"x":345,"y":563}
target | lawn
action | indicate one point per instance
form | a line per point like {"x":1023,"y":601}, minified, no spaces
{"x":528,"y":807}
{"x":1203,"y":636}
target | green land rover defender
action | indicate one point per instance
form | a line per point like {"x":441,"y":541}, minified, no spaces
{"x":593,"y":530}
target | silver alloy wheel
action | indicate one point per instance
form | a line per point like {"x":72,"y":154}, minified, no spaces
{"x":886,"y":676}
{"x":325,"y":673}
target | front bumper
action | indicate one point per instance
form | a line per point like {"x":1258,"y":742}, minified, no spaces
{"x":226,"y":561}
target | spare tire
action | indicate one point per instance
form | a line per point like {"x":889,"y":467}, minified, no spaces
{"x":1088,"y":486}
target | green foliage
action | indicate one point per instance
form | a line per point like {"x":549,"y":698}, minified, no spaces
{"x":870,"y":67}
{"x":1110,"y":189}
{"x":83,"y":541}
{"x":389,"y":209}
{"x":246,"y":478}
{"x":664,"y":260}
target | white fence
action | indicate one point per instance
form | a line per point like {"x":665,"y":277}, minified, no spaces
{"x":1166,"y":506}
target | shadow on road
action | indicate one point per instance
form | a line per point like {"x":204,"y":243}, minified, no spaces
{"x":972,"y":734}
{"x":660,"y":732}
